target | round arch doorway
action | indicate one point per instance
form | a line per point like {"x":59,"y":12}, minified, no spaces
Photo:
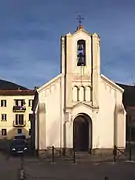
{"x":82,"y":133}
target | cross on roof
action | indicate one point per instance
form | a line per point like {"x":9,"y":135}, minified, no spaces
{"x":80,"y":18}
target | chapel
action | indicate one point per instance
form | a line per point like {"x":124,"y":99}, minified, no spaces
{"x":80,"y":108}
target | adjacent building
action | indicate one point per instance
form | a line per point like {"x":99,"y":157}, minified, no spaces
{"x":129,"y":104}
{"x":80,"y":108}
{"x":15,"y":110}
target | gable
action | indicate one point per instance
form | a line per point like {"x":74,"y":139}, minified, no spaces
{"x":46,"y":85}
{"x":81,"y":29}
{"x":81,"y":34}
{"x":111,"y":83}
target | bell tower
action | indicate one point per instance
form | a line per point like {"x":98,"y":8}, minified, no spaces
{"x":80,"y":67}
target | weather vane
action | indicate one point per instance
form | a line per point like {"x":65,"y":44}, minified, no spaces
{"x":80,"y":18}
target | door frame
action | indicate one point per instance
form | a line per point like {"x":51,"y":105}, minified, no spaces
{"x":89,"y":120}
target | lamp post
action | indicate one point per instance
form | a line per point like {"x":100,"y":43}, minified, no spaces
{"x":130,"y":137}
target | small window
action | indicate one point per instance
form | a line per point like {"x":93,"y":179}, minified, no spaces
{"x":81,"y":57}
{"x":3,"y":117}
{"x":75,"y":93}
{"x":19,"y":102}
{"x":88,"y":93}
{"x":30,"y":102}
{"x":19,"y":119}
{"x":4,"y":132}
{"x":29,"y":132}
{"x":19,"y":131}
{"x":81,"y":94}
{"x":3,"y":103}
{"x":30,"y":117}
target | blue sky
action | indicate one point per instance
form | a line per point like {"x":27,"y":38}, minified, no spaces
{"x":30,"y":33}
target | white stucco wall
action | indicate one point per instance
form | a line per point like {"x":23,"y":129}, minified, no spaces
{"x":120,"y":122}
{"x":50,"y":122}
{"x":103,"y":119}
{"x":111,"y":123}
{"x":36,"y":128}
{"x":101,"y":102}
{"x":106,"y":115}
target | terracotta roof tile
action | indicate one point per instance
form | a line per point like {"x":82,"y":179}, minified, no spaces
{"x":16,"y":92}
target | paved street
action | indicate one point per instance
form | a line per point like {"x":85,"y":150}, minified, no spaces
{"x":37,"y":169}
{"x":8,"y":168}
{"x":121,"y":171}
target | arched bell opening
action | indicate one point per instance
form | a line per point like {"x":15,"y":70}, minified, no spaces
{"x":81,"y":57}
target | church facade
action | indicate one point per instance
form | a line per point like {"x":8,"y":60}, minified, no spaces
{"x":80,"y":108}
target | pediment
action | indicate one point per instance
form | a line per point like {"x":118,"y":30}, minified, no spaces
{"x":82,"y":107}
{"x":87,"y":105}
{"x":81,"y":31}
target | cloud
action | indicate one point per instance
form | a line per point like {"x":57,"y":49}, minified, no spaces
{"x":30,"y":31}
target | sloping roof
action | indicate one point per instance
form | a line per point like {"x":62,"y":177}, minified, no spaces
{"x":128,"y":95}
{"x":115,"y":85}
{"x":7,"y":85}
{"x":17,"y":92}
{"x":49,"y":82}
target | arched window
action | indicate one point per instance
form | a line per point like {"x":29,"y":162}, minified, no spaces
{"x":81,"y":57}
{"x":88,"y":93}
{"x":81,"y":94}
{"x":75,"y":93}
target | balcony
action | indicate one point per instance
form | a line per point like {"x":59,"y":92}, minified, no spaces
{"x":19,"y":108}
{"x":17,"y":124}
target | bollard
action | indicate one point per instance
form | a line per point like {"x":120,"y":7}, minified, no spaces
{"x":64,"y":152}
{"x":21,"y":174}
{"x":21,"y":171}
{"x":74,"y":160}
{"x":114,"y":153}
{"x":52,"y":153}
{"x":22,"y":162}
{"x":130,"y":153}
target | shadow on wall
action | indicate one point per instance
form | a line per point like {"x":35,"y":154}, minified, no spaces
{"x":54,"y":134}
{"x":33,"y":132}
{"x":118,"y":111}
{"x":6,"y":140}
{"x":14,"y":131}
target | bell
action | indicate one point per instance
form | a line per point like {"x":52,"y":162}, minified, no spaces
{"x":80,"y":61}
{"x":80,"y":54}
{"x":80,"y":48}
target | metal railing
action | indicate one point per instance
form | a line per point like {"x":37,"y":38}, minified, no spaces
{"x":118,"y":153}
{"x":54,"y":154}
{"x":19,"y":108}
{"x":19,"y":124}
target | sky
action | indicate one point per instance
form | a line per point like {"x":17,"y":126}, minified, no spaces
{"x":30,"y":32}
